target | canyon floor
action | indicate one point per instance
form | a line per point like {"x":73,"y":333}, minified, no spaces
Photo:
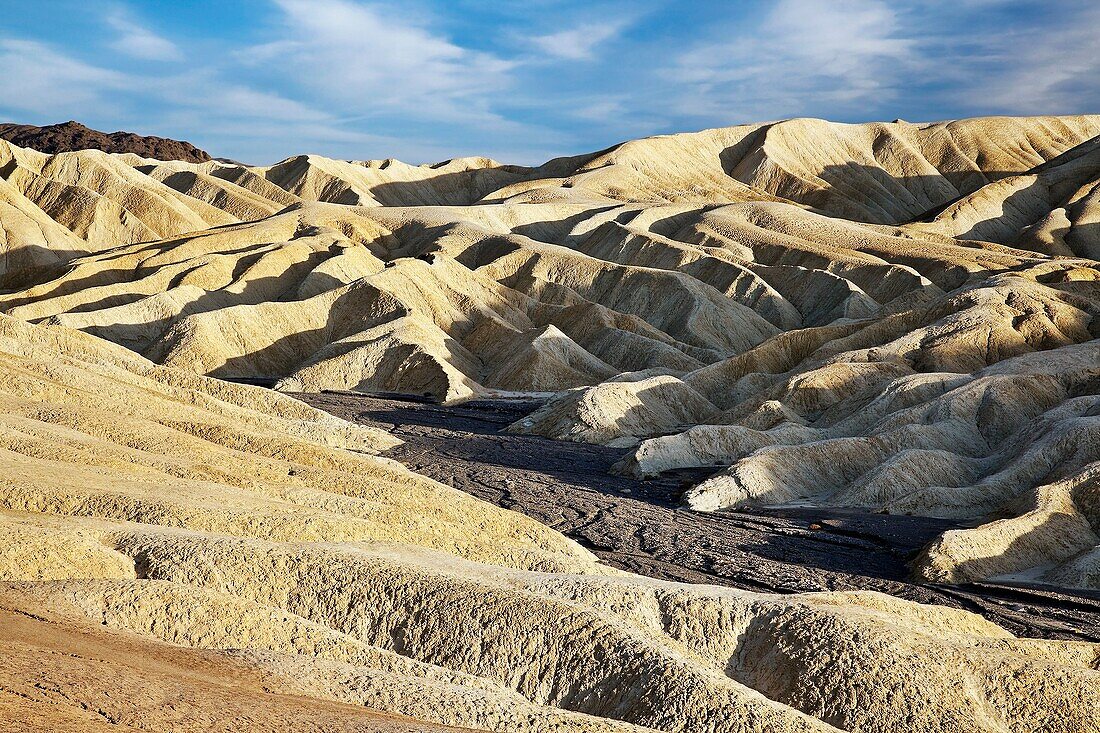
{"x":638,"y":525}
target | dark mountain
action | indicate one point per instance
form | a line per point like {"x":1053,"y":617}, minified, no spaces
{"x":72,"y":135}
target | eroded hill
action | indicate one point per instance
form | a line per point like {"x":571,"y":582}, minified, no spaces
{"x":705,"y":282}
{"x":896,"y":317}
{"x":143,"y":504}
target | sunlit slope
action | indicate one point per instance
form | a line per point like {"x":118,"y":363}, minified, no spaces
{"x":979,"y":403}
{"x":458,"y":301}
{"x":893,"y":316}
{"x":886,"y":173}
{"x":1053,"y":208}
{"x":71,"y":676}
{"x":143,"y":504}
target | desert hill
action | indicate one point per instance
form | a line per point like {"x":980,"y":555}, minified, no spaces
{"x":293,"y":561}
{"x":823,"y":359}
{"x":69,"y":136}
{"x":897,"y":317}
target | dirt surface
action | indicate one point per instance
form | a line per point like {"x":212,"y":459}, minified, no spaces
{"x":72,"y":677}
{"x":639,"y":526}
{"x":66,"y":136}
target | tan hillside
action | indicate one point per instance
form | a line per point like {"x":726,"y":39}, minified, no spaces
{"x":698,"y":275}
{"x":175,"y":545}
{"x":890,"y":316}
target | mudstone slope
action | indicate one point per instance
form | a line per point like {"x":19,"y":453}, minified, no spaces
{"x":892,"y":316}
{"x":148,"y":511}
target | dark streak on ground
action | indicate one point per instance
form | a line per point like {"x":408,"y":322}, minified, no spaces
{"x":639,"y":526}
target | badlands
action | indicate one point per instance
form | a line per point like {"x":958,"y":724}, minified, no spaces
{"x":893,"y":319}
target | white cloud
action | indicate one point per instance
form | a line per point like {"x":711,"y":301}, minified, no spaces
{"x":204,"y":90}
{"x":39,"y":81}
{"x":861,"y":59}
{"x":601,"y":109}
{"x":229,"y":107}
{"x":140,"y":42}
{"x":365,"y":59}
{"x":579,"y":43}
{"x":1016,"y":75}
{"x":362,"y":78}
{"x":35,"y":78}
{"x":804,"y":55}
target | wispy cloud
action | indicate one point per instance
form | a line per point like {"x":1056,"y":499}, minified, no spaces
{"x":578,"y":43}
{"x":134,"y":39}
{"x":803,"y":55}
{"x":204,"y":89}
{"x":428,"y":79}
{"x":43,"y":82}
{"x":369,"y":59}
{"x":1013,"y":73}
{"x":873,"y":59}
{"x":37,"y":79}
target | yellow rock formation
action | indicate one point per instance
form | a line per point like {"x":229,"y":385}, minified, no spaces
{"x":890,"y":316}
{"x":144,"y":505}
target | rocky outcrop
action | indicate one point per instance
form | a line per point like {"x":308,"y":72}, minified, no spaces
{"x":69,"y":136}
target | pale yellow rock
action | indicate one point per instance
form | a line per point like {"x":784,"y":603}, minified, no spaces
{"x":233,"y":519}
{"x":889,"y":316}
{"x":823,"y":359}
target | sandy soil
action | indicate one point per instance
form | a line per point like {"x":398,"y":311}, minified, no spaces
{"x":639,"y":525}
{"x":60,"y":675}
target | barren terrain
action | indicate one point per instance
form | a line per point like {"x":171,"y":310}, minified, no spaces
{"x":817,"y":443}
{"x":639,"y":525}
{"x":70,"y":136}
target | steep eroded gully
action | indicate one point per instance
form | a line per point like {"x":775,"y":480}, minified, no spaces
{"x":639,"y":526}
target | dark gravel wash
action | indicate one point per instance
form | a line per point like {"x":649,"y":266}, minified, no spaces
{"x":639,"y":525}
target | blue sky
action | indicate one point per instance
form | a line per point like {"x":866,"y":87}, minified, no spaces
{"x":425,"y":80}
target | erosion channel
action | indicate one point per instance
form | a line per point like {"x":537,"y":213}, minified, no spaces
{"x":639,"y":526}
